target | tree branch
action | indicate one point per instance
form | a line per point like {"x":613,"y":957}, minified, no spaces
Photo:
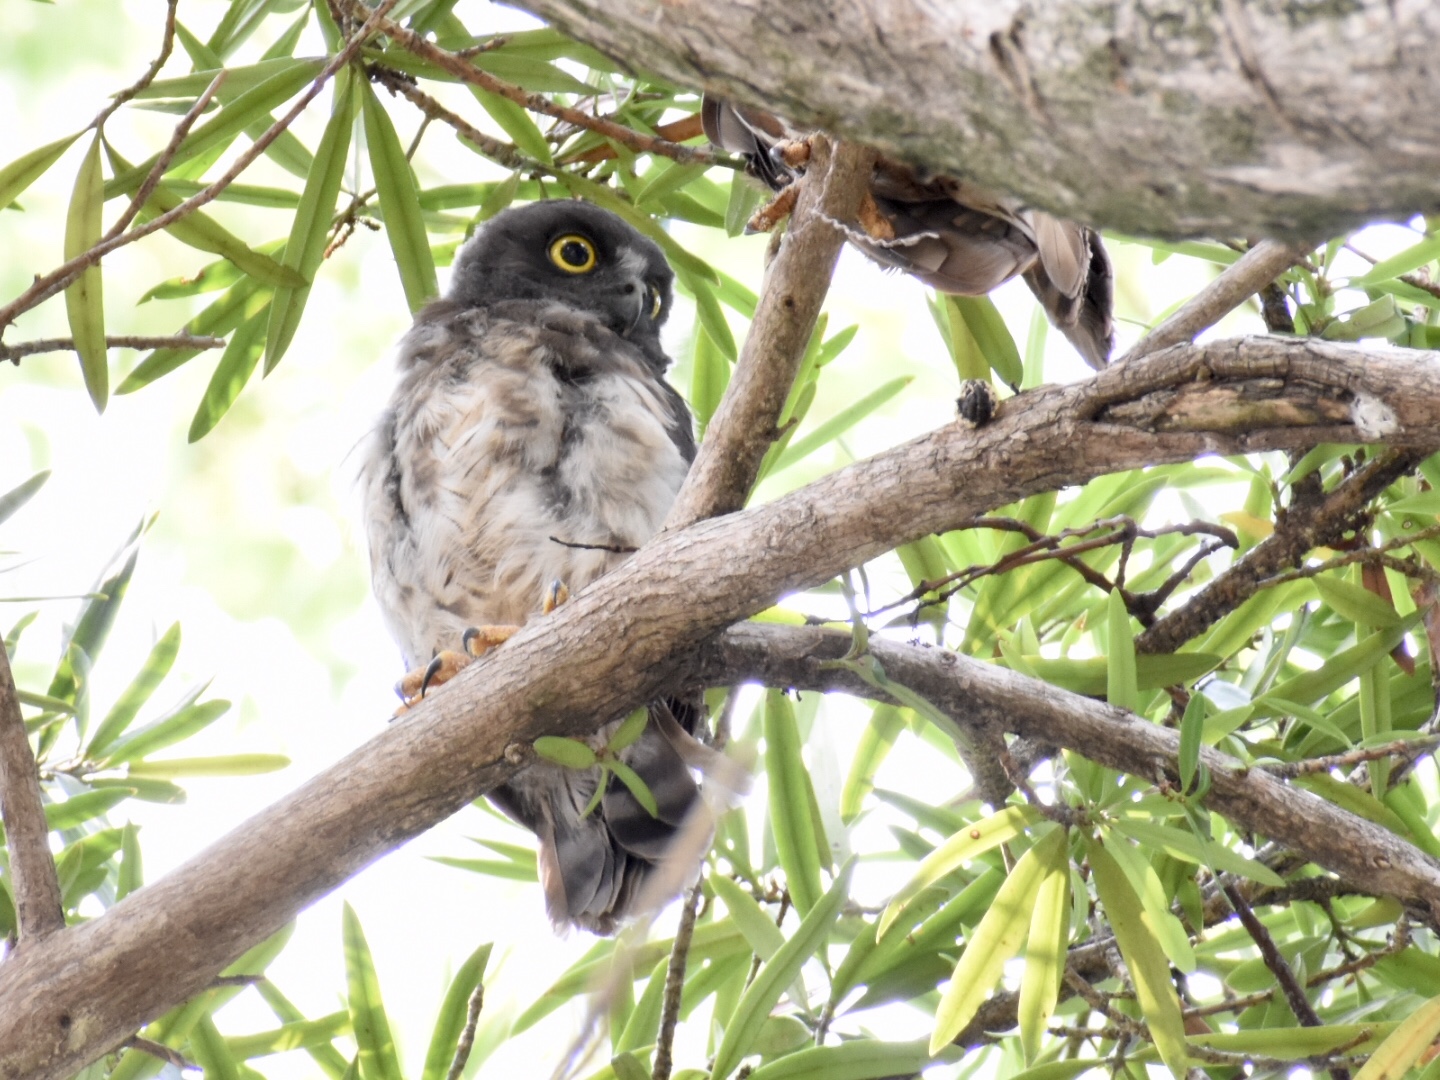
{"x":32,"y":868}
{"x":1144,"y":118}
{"x":744,"y":426}
{"x":623,"y":641}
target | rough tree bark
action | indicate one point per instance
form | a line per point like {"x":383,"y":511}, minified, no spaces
{"x":74,"y":995}
{"x":1157,"y":118}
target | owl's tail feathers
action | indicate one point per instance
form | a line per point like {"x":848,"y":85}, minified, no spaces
{"x":1077,"y":295}
{"x":620,"y":860}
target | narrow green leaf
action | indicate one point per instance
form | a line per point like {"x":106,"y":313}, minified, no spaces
{"x":1149,"y":968}
{"x":515,"y":122}
{"x":1122,"y":686}
{"x":970,"y":842}
{"x":1192,"y":732}
{"x":84,"y":298}
{"x":451,"y":1021}
{"x":1413,"y":257}
{"x":157,"y":665}
{"x":791,"y":798}
{"x":237,"y":364}
{"x":1045,"y":950}
{"x":378,"y":1060}
{"x":399,"y":204}
{"x":306,"y":245}
{"x":168,"y":730}
{"x":132,"y":872}
{"x":886,"y":723}
{"x":22,"y":493}
{"x":750,"y":1014}
{"x":995,"y":940}
{"x":758,"y":927}
{"x":571,"y":753}
{"x":220,"y":765}
{"x":831,"y":429}
{"x":26,"y":169}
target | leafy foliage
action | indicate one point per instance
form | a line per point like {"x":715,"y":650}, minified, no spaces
{"x":1081,"y":920}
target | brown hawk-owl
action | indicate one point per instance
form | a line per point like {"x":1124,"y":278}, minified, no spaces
{"x":952,"y":235}
{"x":532,"y":439}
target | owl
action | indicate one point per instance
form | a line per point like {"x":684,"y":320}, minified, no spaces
{"x":952,"y":235}
{"x":532,"y":442}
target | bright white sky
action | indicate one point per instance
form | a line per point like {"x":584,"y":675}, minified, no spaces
{"x":257,"y":553}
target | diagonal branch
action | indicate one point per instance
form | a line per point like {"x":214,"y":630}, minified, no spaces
{"x":744,"y":426}
{"x":32,"y":867}
{"x":623,"y":641}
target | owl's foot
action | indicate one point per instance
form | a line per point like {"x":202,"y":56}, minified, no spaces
{"x":771,"y":214}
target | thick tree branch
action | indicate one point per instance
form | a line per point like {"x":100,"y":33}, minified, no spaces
{"x":987,"y":696}
{"x":1155,"y":119}
{"x":32,"y":867}
{"x":621,"y":641}
{"x":796,"y":281}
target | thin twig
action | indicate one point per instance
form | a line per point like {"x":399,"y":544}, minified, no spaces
{"x":55,"y":281}
{"x":162,"y":162}
{"x":502,"y":153}
{"x":467,"y":1034}
{"x":33,"y":880}
{"x":1351,"y":758}
{"x":675,"y":984}
{"x":1259,"y":266}
{"x":167,"y":44}
{"x":466,"y":72}
{"x":15,"y":353}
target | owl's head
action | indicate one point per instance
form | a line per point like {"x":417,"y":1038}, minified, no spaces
{"x":579,"y":254}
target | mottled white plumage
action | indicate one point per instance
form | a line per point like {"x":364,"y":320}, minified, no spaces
{"x":530,"y":417}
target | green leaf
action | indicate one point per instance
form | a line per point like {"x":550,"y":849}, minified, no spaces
{"x":886,"y":723}
{"x":237,"y":364}
{"x":1355,"y":602}
{"x":131,"y":874}
{"x":451,"y":1021}
{"x":84,"y":298}
{"x":515,"y":122}
{"x":92,"y":628}
{"x":754,"y":1007}
{"x":306,"y":246}
{"x":1122,"y":686}
{"x":571,"y":753}
{"x":970,"y":842}
{"x":22,"y":493}
{"x":1412,"y":258}
{"x":990,"y":334}
{"x":1149,"y":968}
{"x":857,"y":1059}
{"x":81,"y":808}
{"x":399,"y":203}
{"x":759,"y":928}
{"x":26,"y":169}
{"x":174,"y":727}
{"x":996,"y":939}
{"x":791,"y":799}
{"x":1045,"y":951}
{"x":1192,"y":733}
{"x":378,"y":1060}
{"x":221,"y":765}
{"x":157,"y":665}
{"x":831,"y":429}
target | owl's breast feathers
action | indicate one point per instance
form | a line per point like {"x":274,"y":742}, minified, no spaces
{"x":513,"y":423}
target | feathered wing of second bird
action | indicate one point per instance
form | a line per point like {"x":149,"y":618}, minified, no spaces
{"x":952,"y":235}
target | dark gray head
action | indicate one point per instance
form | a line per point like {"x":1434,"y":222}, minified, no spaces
{"x":573,"y":252}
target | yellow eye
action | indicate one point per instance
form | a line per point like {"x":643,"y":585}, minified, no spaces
{"x":573,"y":254}
{"x":657,"y":302}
